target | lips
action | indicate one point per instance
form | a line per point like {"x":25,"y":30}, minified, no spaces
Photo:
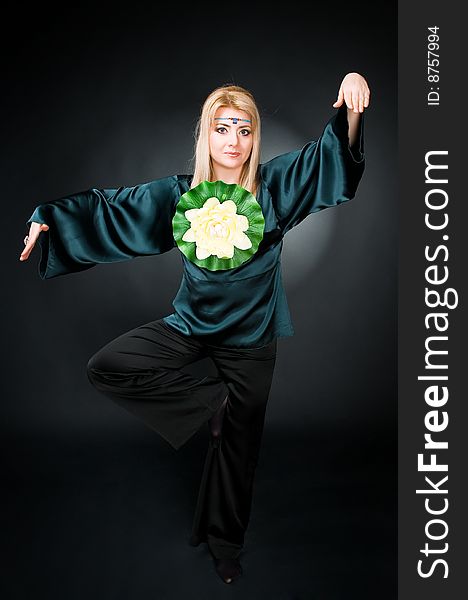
{"x":233,"y":154}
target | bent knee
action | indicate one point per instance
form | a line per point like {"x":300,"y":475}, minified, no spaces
{"x":99,"y":363}
{"x":109,"y":366}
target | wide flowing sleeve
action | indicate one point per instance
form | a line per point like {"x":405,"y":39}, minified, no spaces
{"x":324,"y":173}
{"x":105,"y":226}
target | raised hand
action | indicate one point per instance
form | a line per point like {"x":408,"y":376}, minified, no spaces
{"x":355,"y":92}
{"x":31,"y":239}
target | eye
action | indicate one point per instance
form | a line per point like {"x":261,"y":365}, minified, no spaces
{"x":220,"y":129}
{"x":245,"y":132}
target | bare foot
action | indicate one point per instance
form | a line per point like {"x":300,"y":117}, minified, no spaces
{"x":228,"y":569}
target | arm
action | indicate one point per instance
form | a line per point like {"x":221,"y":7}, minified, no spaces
{"x":354,"y":121}
{"x":104,"y":226}
{"x":324,"y":173}
{"x":355,"y":93}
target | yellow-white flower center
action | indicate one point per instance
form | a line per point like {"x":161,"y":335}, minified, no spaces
{"x":217,"y":229}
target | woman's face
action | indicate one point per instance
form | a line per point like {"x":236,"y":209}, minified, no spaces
{"x":230,"y":143}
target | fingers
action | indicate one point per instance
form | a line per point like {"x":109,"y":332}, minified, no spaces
{"x":358,"y":100}
{"x":356,"y":92}
{"x":27,"y":251}
{"x":31,"y":238}
{"x":361,"y":103}
{"x":339,"y":100}
{"x":355,"y":101}
{"x":30,"y":243}
{"x":348,"y":98}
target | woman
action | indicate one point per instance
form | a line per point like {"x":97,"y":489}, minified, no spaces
{"x":228,"y":220}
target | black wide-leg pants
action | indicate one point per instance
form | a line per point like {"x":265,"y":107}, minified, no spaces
{"x":141,"y":371}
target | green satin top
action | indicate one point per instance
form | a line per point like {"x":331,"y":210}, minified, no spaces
{"x":243,"y":307}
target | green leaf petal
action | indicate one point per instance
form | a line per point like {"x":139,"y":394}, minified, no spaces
{"x":247,"y":205}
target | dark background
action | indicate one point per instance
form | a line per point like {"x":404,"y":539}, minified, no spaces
{"x":98,"y":506}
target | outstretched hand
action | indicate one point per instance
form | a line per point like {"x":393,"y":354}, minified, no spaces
{"x":31,"y":239}
{"x":355,"y":92}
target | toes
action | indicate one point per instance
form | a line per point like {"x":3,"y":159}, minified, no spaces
{"x":228,"y":569}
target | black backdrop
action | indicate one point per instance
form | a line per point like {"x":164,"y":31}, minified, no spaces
{"x":109,"y":98}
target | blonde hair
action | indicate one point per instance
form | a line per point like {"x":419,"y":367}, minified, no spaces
{"x":230,"y":96}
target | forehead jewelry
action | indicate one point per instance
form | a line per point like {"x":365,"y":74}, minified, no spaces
{"x":233,"y":119}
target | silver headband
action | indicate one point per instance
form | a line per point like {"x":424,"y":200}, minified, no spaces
{"x":233,"y":119}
